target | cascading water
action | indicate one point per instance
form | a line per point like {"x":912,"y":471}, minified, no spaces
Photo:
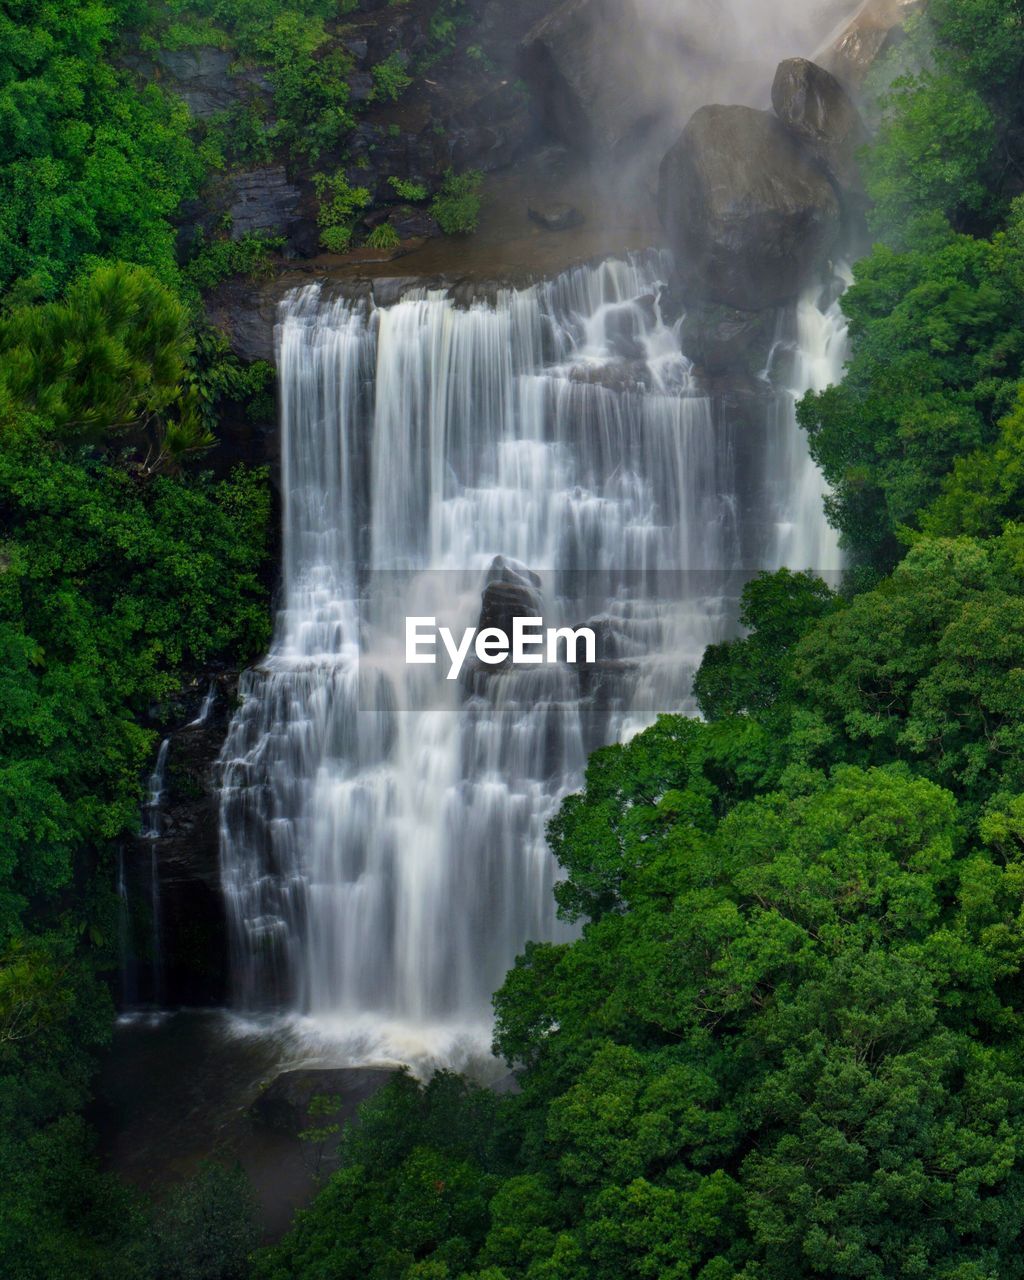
{"x":152,"y":830}
{"x":382,"y":829}
{"x":205,"y":708}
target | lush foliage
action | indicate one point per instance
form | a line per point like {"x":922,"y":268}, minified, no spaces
{"x":457,"y":205}
{"x":938,"y":336}
{"x":339,"y":204}
{"x":121,"y":571}
{"x":952,"y":139}
{"x":90,"y":165}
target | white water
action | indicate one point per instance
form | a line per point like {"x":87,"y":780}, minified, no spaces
{"x":382,"y":831}
{"x":206,"y":707}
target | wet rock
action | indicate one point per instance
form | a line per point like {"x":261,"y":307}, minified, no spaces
{"x":358,"y":48}
{"x":247,"y":314}
{"x":185,"y":849}
{"x":202,"y":77}
{"x":877,"y":27}
{"x":624,"y":331}
{"x":284,"y":1104}
{"x":621,"y":376}
{"x":413,"y":223}
{"x":360,"y":86}
{"x":815,"y":108}
{"x":262,"y":200}
{"x":581,"y":61}
{"x":724,"y":341}
{"x":491,"y":130}
{"x":751,"y":218}
{"x":512,"y":591}
{"x":556,"y":217}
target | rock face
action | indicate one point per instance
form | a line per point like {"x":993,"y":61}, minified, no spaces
{"x":202,"y":77}
{"x":869,"y":36}
{"x":750,"y":216}
{"x":262,"y":200}
{"x":815,"y":108}
{"x":727,"y":342}
{"x":581,"y":61}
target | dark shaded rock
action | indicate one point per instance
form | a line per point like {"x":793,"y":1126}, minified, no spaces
{"x":582,"y":62}
{"x":183,"y":847}
{"x":751,"y":218}
{"x":722,"y":340}
{"x":247,"y":314}
{"x":624,"y":329}
{"x":512,"y":591}
{"x":284,"y":1104}
{"x":202,"y":77}
{"x":262,"y":200}
{"x":358,"y":47}
{"x":556,"y":217}
{"x":491,"y":130}
{"x":303,"y":239}
{"x":411,"y":223}
{"x":815,"y":107}
{"x":360,"y":86}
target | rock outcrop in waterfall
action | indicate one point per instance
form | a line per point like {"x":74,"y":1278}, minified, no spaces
{"x":756,"y":206}
{"x":752,"y":220}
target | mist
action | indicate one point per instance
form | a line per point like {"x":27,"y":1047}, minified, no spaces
{"x":725,"y":51}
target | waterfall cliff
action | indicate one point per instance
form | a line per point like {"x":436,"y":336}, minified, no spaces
{"x":382,"y":830}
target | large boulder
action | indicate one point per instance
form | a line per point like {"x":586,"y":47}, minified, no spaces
{"x":750,"y":216}
{"x":581,"y":61}
{"x":285,"y":1103}
{"x":815,"y":108}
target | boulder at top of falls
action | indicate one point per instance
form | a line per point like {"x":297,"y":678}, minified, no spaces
{"x":750,"y":216}
{"x":581,"y":61}
{"x":814,"y":106}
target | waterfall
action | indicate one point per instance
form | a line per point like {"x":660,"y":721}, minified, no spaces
{"x":128,"y":986}
{"x":152,"y":829}
{"x":206,"y":707}
{"x":382,"y":829}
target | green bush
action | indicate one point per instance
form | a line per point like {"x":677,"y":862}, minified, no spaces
{"x":383,"y":237}
{"x":217,"y":260}
{"x":457,"y":205}
{"x":389,"y":78}
{"x":406,"y":189}
{"x":339,"y":203}
{"x":208,"y":1227}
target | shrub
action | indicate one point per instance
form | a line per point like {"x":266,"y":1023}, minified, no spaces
{"x":389,"y":78}
{"x":339,"y":203}
{"x":457,"y":206}
{"x":384,"y":237}
{"x":405,"y":189}
{"x":218,"y":260}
